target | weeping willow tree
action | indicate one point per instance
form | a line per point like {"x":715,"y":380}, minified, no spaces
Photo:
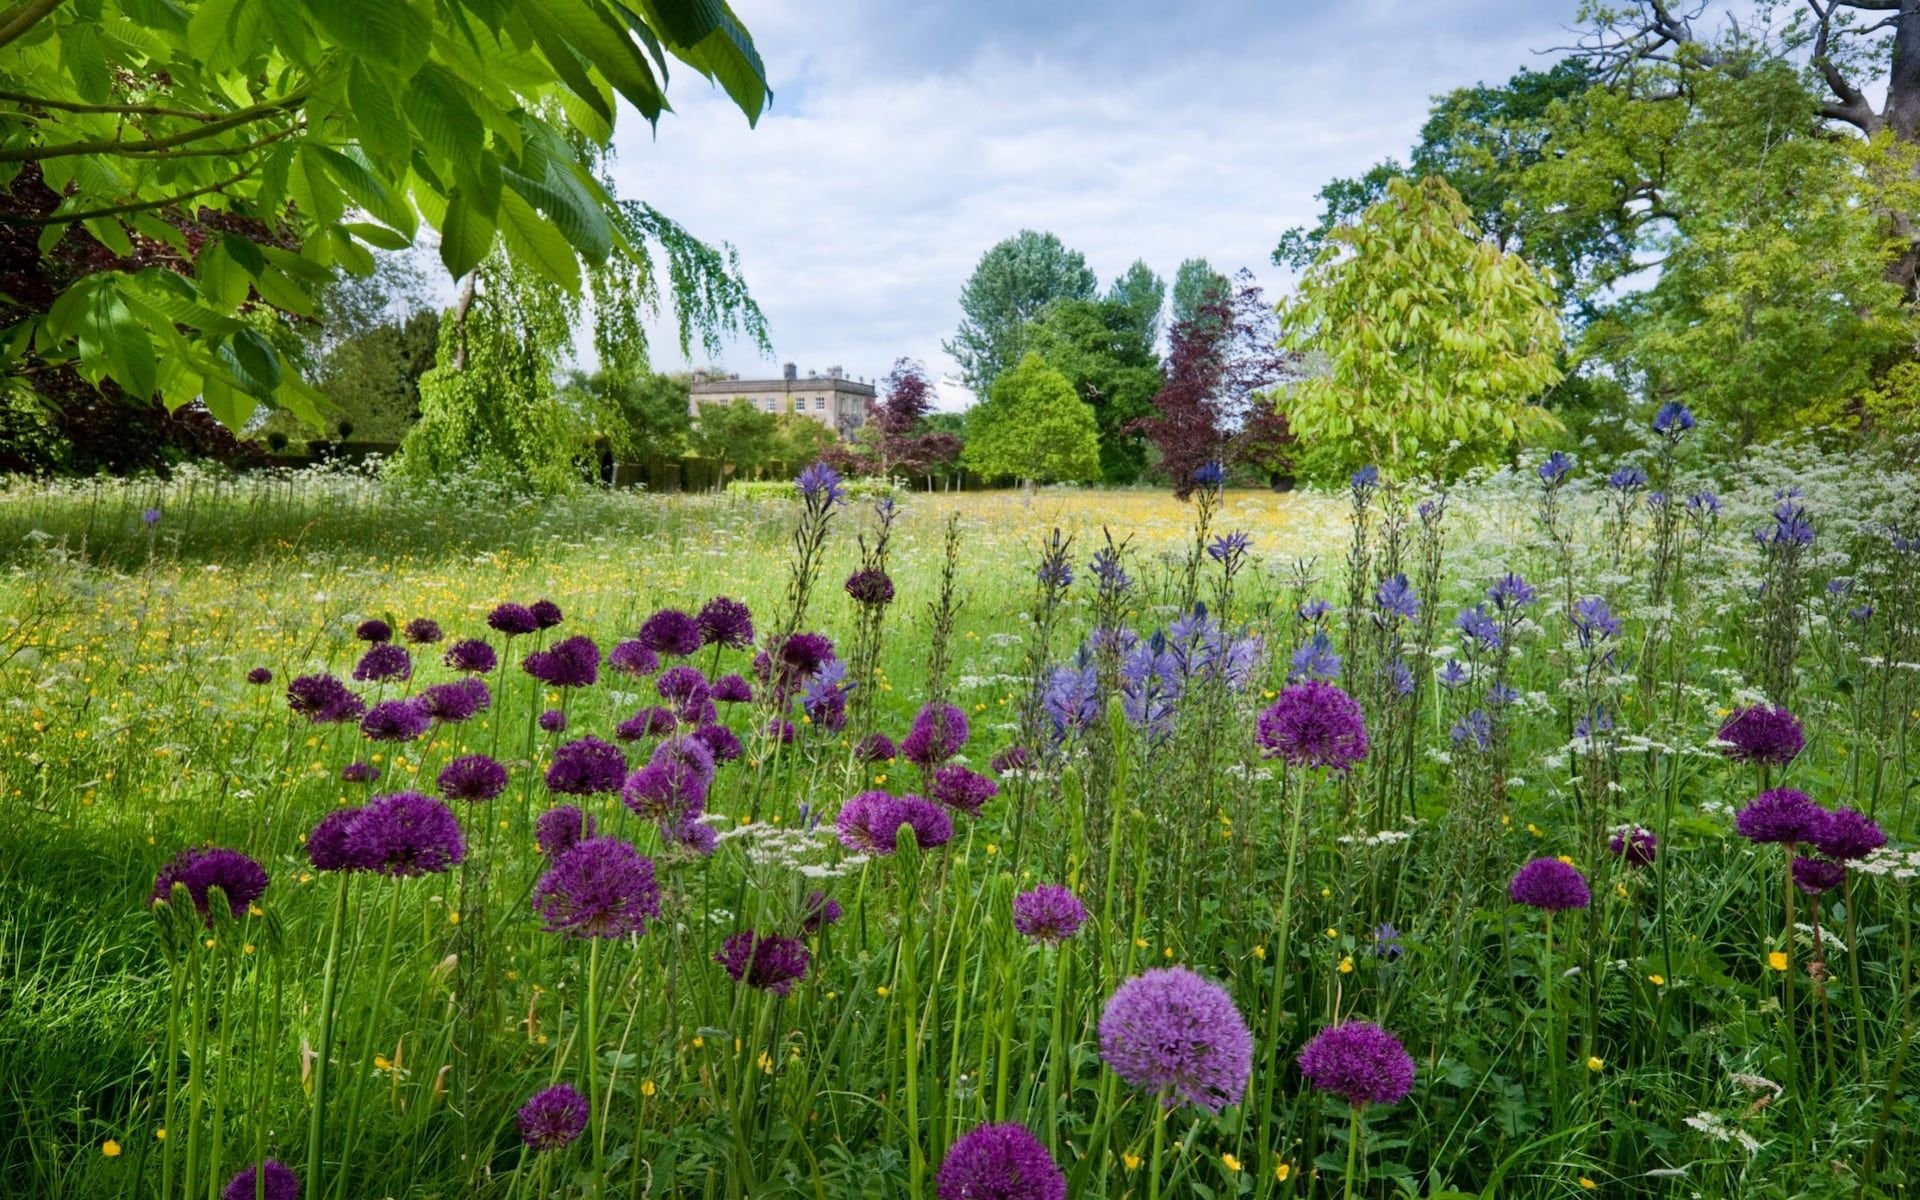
{"x":491,"y":406}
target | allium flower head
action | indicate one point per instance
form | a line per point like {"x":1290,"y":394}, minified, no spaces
{"x":682,"y":685}
{"x":725,"y":622}
{"x":601,"y":888}
{"x":1359,"y":1062}
{"x":238,"y":877}
{"x":798,"y":658}
{"x":1013,"y":758}
{"x":633,"y":657}
{"x":764,"y":960}
{"x":384,"y":662}
{"x":820,"y":486}
{"x":1048,"y":913}
{"x":671,"y":633}
{"x":1816,"y":875}
{"x":1179,"y":1037}
{"x":569,"y":663}
{"x":323,"y":699}
{"x":271,"y":1180}
{"x":1673,"y":420}
{"x":423,"y":631}
{"x":472,"y":777}
{"x":648,"y":722}
{"x":513,"y":620}
{"x":720,"y":742}
{"x":937,"y":734}
{"x":1762,"y":734}
{"x":553,"y":720}
{"x":561,"y":828}
{"x":373,"y":629}
{"x":546,"y":613}
{"x":454,"y":702}
{"x":999,"y":1162}
{"x":472,"y":656}
{"x":1848,"y":835}
{"x":586,"y":767}
{"x":405,"y":834}
{"x":693,"y":835}
{"x":1634,"y":846}
{"x":665,"y":791}
{"x":874,"y":748}
{"x":870,"y":587}
{"x":553,"y":1117}
{"x":359,"y":772}
{"x":396,"y":721}
{"x":328,"y":847}
{"x":1549,"y":885}
{"x":963,"y":790}
{"x":259,"y":676}
{"x":732,"y":689}
{"x":818,"y":911}
{"x":1314,"y":724}
{"x":871,"y":821}
{"x":1783,"y":815}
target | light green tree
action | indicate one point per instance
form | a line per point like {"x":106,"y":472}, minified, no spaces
{"x":1430,"y":341}
{"x":1106,"y":354}
{"x":1033,"y":428}
{"x":737,"y":436}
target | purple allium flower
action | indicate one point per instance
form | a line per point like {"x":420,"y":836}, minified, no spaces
{"x":472,"y":778}
{"x":682,"y":685}
{"x":513,"y":620}
{"x":259,"y":676}
{"x":1359,"y":1062}
{"x":963,"y":790}
{"x":323,"y":699}
{"x":820,"y":486}
{"x":781,"y":731}
{"x":457,"y":701}
{"x":798,"y":659}
{"x":601,"y":888}
{"x":423,"y":631}
{"x":1762,"y":734}
{"x":633,"y":658}
{"x":1848,"y":834}
{"x":373,"y":629}
{"x":870,"y":587}
{"x":1549,"y":885}
{"x":648,"y":722}
{"x":1634,"y":846}
{"x":561,"y":828}
{"x":359,"y":772}
{"x":553,"y":1117}
{"x":874,"y":748}
{"x":1179,"y":1037}
{"x":546,"y":613}
{"x":1048,"y":913}
{"x":396,"y":721}
{"x":1395,"y":597}
{"x":1209,"y":475}
{"x":382,"y":662}
{"x":1816,"y":875}
{"x":328,"y":847}
{"x":999,"y":1162}
{"x":1314,"y":724}
{"x":271,"y":1180}
{"x":568,"y":663}
{"x":586,"y":767}
{"x":553,"y":720}
{"x":665,"y":791}
{"x":720,"y":742}
{"x":405,"y":834}
{"x":472,"y":656}
{"x":1593,"y":621}
{"x":725,"y":622}
{"x":241,"y":879}
{"x":732,"y":689}
{"x":1553,"y":472}
{"x":1315,"y":660}
{"x":871,"y":821}
{"x":818,"y":911}
{"x":1673,"y":420}
{"x":690,"y":833}
{"x":764,"y":960}
{"x":1013,"y":758}
{"x":670,"y":632}
{"x":937,"y":734}
{"x":1783,"y":815}
{"x":1627,"y":478}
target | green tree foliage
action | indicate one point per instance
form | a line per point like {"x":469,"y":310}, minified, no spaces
{"x":641,"y":416}
{"x":1105,"y":352}
{"x":1143,"y":294}
{"x":1033,"y":428}
{"x":1013,"y":282}
{"x":1196,"y":285}
{"x":799,"y":441}
{"x":1431,"y":340}
{"x":251,"y":151}
{"x":737,"y":436}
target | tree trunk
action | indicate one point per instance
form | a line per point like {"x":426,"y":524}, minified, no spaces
{"x":1903,"y":121}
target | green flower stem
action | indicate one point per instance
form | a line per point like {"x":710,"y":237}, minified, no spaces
{"x":329,"y":992}
{"x":590,"y":1053}
{"x":1276,"y":994}
{"x":1353,"y":1147}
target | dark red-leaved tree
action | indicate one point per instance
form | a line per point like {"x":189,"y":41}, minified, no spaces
{"x":898,"y":441}
{"x":1211,"y":409}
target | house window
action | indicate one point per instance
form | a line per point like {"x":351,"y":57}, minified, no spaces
{"x":819,"y":403}
{"x":770,"y":404}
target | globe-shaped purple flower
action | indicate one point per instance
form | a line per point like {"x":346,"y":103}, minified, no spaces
{"x":782,"y":731}
{"x":720,"y":742}
{"x":648,"y":722}
{"x":1179,"y":1037}
{"x":1762,"y":735}
{"x":359,"y":772}
{"x":586,"y":767}
{"x":870,"y":588}
{"x":259,"y":676}
{"x":513,"y":620}
{"x":329,"y":847}
{"x":473,"y":656}
{"x":1549,"y":885}
{"x":1013,"y":758}
{"x":725,"y":622}
{"x":423,"y":631}
{"x":1359,"y":1062}
{"x":271,"y":1180}
{"x":323,"y":699}
{"x":1816,"y":875}
{"x":396,"y":721}
{"x":1847,"y":835}
{"x":553,"y":721}
{"x":1634,"y":846}
{"x":601,"y":888}
{"x":473,"y":778}
{"x":452,"y":703}
{"x":682,"y":685}
{"x":1314,"y":724}
{"x":553,"y":1117}
{"x":765,"y":961}
{"x":569,"y":663}
{"x":1048,"y":913}
{"x":405,"y":834}
{"x":963,"y":790}
{"x":875,"y":748}
{"x":818,"y":911}
{"x":871,"y":822}
{"x":693,"y":835}
{"x":546,"y":614}
{"x":240,"y":879}
{"x":633,"y":658}
{"x":665,"y":791}
{"x":1783,"y":816}
{"x":937,"y":734}
{"x":671,"y":633}
{"x":373,"y":630}
{"x":732,"y":689}
{"x":999,"y":1162}
{"x":560,"y":829}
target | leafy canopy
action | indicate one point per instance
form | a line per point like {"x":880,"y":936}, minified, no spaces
{"x":1033,"y":427}
{"x":1013,"y":282}
{"x":266,"y":147}
{"x":1106,"y":353}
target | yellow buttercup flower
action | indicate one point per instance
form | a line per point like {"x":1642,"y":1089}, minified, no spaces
{"x":1260,"y":952}
{"x":1657,"y":980}
{"x":1346,"y":965}
{"x":648,"y":1087}
{"x":1130,"y":1161}
{"x":1777,"y":960}
{"x":1283,"y":1171}
{"x":1229,"y":1162}
{"x":1596,"y":1064}
{"x":110,"y":1148}
{"x":1588,"y":1184}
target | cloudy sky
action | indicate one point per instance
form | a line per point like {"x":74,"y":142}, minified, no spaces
{"x":905,"y":139}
